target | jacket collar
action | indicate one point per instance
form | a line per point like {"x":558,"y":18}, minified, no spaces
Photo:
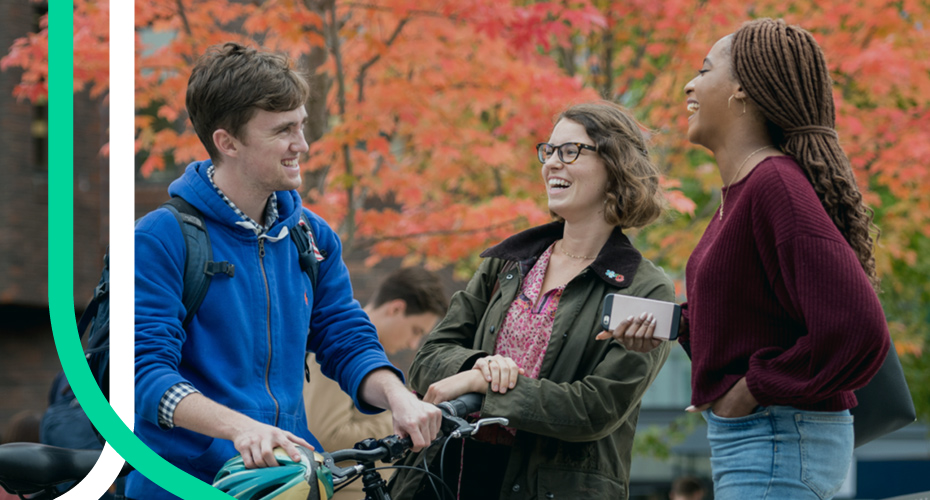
{"x":616,"y":263}
{"x":195,"y":187}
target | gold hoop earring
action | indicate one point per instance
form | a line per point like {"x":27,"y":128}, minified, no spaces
{"x":741,"y":100}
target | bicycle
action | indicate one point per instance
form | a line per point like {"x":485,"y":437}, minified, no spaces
{"x":35,"y":469}
{"x":316,"y":475}
{"x":392,"y":448}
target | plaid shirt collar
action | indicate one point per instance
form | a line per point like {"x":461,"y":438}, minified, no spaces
{"x":271,"y":208}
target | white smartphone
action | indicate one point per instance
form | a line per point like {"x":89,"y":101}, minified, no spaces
{"x":619,"y":307}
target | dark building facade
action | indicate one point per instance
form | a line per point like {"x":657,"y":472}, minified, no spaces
{"x":30,"y":361}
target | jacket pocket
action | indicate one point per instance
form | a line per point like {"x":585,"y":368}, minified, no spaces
{"x":209,"y":462}
{"x":573,"y":483}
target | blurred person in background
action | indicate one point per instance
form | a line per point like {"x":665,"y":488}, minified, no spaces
{"x":687,"y":488}
{"x":23,"y":427}
{"x":405,"y":307}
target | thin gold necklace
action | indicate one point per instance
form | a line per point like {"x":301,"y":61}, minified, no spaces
{"x":723,"y":193}
{"x":577,"y":257}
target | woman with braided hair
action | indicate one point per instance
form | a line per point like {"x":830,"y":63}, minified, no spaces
{"x":782,"y":321}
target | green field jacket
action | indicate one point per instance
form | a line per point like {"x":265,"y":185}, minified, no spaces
{"x":575,"y":423}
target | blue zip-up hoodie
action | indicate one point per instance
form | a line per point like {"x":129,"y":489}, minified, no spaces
{"x":245,"y":347}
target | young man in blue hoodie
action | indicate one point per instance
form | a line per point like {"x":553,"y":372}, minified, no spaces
{"x":230,"y":381}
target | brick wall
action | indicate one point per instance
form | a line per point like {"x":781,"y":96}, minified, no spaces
{"x":22,"y":184}
{"x":91,"y":195}
{"x":30,"y":360}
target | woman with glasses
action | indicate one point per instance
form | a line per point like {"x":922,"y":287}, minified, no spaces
{"x":522,"y":332}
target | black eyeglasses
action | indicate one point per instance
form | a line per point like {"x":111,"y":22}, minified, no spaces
{"x":568,"y":152}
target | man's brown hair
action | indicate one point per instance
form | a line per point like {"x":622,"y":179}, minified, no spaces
{"x":230,"y":82}
{"x":422,"y":290}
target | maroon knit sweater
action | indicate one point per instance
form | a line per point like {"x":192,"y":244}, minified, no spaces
{"x":776,"y":294}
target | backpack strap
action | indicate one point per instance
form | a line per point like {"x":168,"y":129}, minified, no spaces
{"x":308,"y":253}
{"x":309,"y":256}
{"x":101,"y":293}
{"x":199,"y":267}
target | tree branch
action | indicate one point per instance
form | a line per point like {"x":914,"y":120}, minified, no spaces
{"x":360,"y":79}
{"x":448,"y":232}
{"x":607,"y":91}
{"x":335,"y":49}
{"x":567,"y":55}
{"x":184,"y":21}
{"x":428,"y":13}
{"x":637,"y":61}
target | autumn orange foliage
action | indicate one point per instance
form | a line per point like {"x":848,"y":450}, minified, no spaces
{"x":91,"y":54}
{"x":424,"y":128}
{"x":426,"y":113}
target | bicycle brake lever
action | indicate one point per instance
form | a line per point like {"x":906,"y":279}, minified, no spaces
{"x":489,"y":421}
{"x":471,"y":429}
{"x":451,"y":425}
{"x":346,"y":473}
{"x":340,"y":474}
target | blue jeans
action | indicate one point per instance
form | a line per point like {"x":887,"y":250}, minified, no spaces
{"x":780,"y":452}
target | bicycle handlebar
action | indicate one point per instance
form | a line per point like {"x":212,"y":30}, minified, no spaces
{"x":393,"y":448}
{"x":461,"y":406}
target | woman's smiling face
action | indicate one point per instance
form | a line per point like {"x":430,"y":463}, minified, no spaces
{"x":708,"y":96}
{"x":576,"y":190}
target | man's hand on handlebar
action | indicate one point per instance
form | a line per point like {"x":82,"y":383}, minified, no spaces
{"x":412,"y":418}
{"x":415,"y":419}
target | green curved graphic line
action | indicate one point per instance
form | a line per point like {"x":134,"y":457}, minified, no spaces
{"x":61,"y":269}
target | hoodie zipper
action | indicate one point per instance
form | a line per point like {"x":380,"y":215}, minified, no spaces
{"x":261,"y":261}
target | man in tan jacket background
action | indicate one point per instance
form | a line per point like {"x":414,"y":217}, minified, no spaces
{"x":406,"y":306}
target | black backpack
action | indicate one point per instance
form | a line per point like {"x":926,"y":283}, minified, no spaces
{"x":199,"y":269}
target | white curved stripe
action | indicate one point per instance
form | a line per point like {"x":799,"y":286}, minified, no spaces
{"x":122,"y":203}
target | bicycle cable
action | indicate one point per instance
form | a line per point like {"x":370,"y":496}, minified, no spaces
{"x":424,"y":468}
{"x":431,"y":475}
{"x":442,"y":462}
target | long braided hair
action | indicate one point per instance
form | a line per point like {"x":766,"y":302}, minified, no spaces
{"x":783,"y":70}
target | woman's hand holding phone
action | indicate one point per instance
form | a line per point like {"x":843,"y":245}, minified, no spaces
{"x":635,"y":333}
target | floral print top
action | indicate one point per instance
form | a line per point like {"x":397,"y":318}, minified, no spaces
{"x":524,"y":336}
